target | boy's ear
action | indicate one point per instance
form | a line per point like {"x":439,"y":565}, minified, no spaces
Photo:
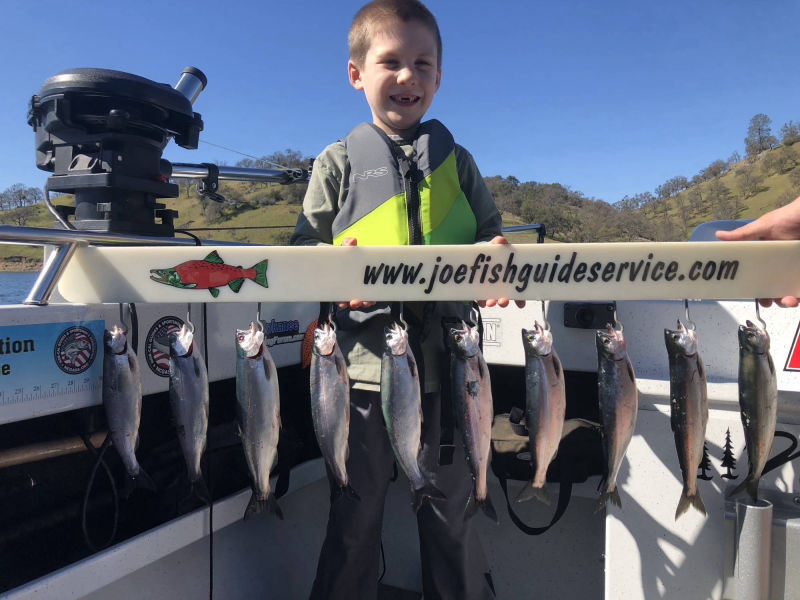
{"x":438,"y":80}
{"x":354,"y":74}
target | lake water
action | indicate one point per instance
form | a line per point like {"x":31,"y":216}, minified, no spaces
{"x":14,"y":287}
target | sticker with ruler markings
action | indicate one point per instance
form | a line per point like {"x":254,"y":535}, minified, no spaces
{"x":47,"y":360}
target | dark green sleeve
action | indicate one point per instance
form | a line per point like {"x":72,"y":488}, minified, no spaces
{"x":480,"y":199}
{"x":323,"y":198}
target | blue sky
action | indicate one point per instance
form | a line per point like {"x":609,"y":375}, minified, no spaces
{"x":609,"y":98}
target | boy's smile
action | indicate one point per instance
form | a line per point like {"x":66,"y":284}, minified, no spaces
{"x":400,"y":76}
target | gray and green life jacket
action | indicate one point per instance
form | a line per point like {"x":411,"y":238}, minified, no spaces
{"x":395,"y":201}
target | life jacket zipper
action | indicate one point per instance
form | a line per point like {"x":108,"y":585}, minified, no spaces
{"x":407,"y":170}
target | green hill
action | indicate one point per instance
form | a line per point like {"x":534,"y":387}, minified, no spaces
{"x":266,"y":213}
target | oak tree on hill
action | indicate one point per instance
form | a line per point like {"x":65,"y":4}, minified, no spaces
{"x":759,"y":135}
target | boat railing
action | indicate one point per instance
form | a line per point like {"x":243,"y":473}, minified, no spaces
{"x":66,"y":242}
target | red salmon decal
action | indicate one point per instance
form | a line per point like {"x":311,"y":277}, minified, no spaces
{"x":793,"y":362}
{"x":210,"y":274}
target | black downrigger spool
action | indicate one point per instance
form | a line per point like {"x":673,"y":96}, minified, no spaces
{"x":102,"y":132}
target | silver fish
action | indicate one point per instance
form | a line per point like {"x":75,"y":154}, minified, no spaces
{"x":401,"y":402}
{"x":545,"y":404}
{"x":758,"y":402}
{"x":258,"y":415}
{"x":188,"y":398}
{"x":330,"y":404}
{"x":618,"y":398}
{"x":689,"y":409}
{"x":122,"y":399}
{"x":472,"y":401}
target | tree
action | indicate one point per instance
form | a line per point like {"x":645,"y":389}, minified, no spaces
{"x":759,"y":135}
{"x":749,"y":180}
{"x":728,"y":461}
{"x":705,"y":465}
{"x":790,"y":133}
{"x":17,"y":196}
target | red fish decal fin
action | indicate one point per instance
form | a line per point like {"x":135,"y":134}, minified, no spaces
{"x":214,"y":291}
{"x":214,"y":258}
{"x":261,"y":273}
{"x":236,"y":284}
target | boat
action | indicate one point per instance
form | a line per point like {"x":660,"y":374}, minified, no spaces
{"x":67,"y":531}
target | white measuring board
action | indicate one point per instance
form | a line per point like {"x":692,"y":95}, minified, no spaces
{"x":608,"y":271}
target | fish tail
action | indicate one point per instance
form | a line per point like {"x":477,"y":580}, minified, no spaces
{"x":200,"y":490}
{"x":426,"y":491}
{"x":261,"y":272}
{"x":750,"y":485}
{"x":605,"y":497}
{"x":139,"y":481}
{"x":268,"y":504}
{"x":488,"y":508}
{"x":531,"y":491}
{"x":344,"y":490}
{"x":686,"y":501}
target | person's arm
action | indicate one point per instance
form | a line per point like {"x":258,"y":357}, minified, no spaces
{"x":324,"y":196}
{"x":780,"y":224}
{"x":487,"y":216}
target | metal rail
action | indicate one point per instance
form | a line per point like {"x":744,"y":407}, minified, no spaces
{"x":67,"y":242}
{"x":189,"y":171}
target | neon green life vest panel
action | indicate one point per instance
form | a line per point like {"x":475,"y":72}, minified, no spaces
{"x":392,"y":201}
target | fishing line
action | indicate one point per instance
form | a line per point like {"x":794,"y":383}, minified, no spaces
{"x":208,"y":469}
{"x":263,"y":159}
{"x":85,"y":505}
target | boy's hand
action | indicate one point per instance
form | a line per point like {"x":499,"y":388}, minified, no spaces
{"x":355,"y":302}
{"x":503,"y":302}
{"x":780,"y":224}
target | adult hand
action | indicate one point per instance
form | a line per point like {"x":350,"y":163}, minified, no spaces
{"x":503,"y":302}
{"x":355,"y":303}
{"x":780,"y":224}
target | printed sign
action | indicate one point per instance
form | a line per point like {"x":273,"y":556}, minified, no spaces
{"x":156,"y":348}
{"x":50,"y":359}
{"x":282,"y":332}
{"x":618,"y":271}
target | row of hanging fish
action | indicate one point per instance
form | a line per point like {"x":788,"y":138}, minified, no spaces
{"x":258,"y":408}
{"x":618,"y":403}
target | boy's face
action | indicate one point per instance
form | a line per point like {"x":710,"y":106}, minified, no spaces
{"x":399,"y":76}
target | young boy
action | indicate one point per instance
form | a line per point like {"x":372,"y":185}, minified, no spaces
{"x":398,"y":181}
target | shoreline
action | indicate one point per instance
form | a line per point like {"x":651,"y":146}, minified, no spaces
{"x":20,"y":264}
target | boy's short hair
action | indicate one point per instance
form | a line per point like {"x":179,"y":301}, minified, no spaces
{"x":374,"y":15}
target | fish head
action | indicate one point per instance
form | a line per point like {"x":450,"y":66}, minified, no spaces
{"x":537,"y":341}
{"x":249,"y":341}
{"x":753,"y":339}
{"x":115,"y":340}
{"x":464,"y":340}
{"x":169,"y":277}
{"x":681,"y":341}
{"x":611,"y":343}
{"x":324,"y":340}
{"x":181,"y":342}
{"x":396,"y":339}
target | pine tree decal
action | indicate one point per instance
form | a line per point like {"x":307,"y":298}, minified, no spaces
{"x":728,"y":461}
{"x":705,"y":465}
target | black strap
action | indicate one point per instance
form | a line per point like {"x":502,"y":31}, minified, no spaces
{"x":564,"y":495}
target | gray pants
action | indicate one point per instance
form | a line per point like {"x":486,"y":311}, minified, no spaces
{"x":453,"y":563}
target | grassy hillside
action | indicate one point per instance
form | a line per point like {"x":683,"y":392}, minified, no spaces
{"x":748,"y":189}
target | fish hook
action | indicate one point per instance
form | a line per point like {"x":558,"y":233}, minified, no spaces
{"x":689,"y":321}
{"x":401,"y":318}
{"x":544,"y":318}
{"x":122,"y":320}
{"x":189,"y":317}
{"x":475,"y":314}
{"x":758,"y":316}
{"x":258,"y":318}
{"x":616,"y":320}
